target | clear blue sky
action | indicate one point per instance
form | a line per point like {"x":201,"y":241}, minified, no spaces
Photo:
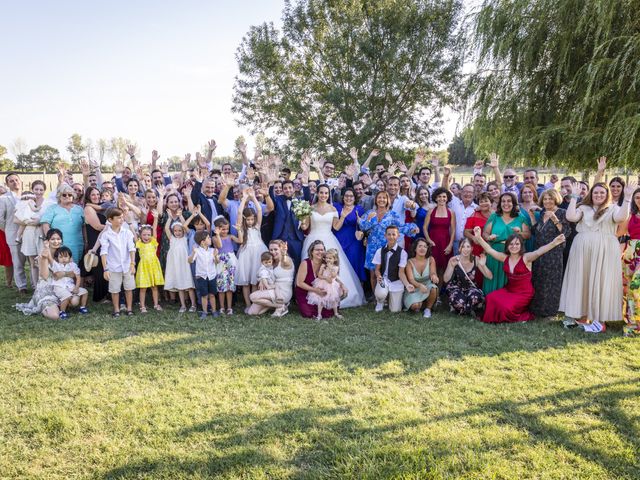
{"x":160,"y":73}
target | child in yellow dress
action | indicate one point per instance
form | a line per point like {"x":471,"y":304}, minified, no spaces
{"x":149,"y":272}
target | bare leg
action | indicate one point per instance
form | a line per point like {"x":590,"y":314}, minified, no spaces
{"x":128,"y":299}
{"x":115,"y":301}
{"x":336,"y":312}
{"x":221,"y":300}
{"x":229,"y":296}
{"x":52,"y":312}
{"x":246,"y":290}
{"x":212,"y":301}
{"x":83,"y":300}
{"x":431,"y":299}
{"x":154,"y":296}
{"x":64,"y":304}
{"x":35,"y":271}
{"x":75,"y":300}
{"x":205,"y":303}
{"x":192,"y":297}
{"x":182,"y":299}
{"x":143,"y":299}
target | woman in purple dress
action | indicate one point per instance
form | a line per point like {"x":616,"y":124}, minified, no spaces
{"x":345,"y":228}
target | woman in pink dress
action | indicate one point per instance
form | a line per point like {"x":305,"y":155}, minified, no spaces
{"x":440,"y":229}
{"x":511,"y":302}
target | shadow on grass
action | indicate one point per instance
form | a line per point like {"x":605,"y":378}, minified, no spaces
{"x":363,"y":340}
{"x":331,"y":444}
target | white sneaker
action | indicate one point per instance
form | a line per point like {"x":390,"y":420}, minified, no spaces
{"x":595,"y":327}
{"x":427,"y":313}
{"x":379,"y":306}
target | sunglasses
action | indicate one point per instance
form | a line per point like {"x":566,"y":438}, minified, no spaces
{"x":509,"y":176}
{"x":68,"y":195}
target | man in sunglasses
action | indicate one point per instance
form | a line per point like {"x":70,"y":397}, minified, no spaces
{"x":510,"y":181}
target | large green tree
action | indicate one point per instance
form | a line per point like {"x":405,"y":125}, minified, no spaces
{"x":41,"y":158}
{"x":557,"y":81}
{"x":77,"y":148}
{"x":5,"y":162}
{"x":350,"y":73}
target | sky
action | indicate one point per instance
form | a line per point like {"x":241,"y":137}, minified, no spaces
{"x":159,"y":73}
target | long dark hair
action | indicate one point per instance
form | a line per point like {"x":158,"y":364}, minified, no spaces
{"x":634,"y":207}
{"x":87,"y":194}
{"x":414,"y":247}
{"x":619,"y":180}
{"x":515,"y":211}
{"x":247,"y":212}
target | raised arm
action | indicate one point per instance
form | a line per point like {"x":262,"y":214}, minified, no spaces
{"x":573,"y":212}
{"x":501,"y":257}
{"x":622,"y":213}
{"x":533,"y":256}
{"x":602,"y":168}
{"x":374,"y":153}
{"x":494,"y":162}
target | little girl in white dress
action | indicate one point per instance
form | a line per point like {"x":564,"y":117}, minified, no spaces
{"x":328,"y":281}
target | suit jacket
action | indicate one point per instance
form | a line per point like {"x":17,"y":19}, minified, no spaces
{"x":199,"y":198}
{"x":281,"y":214}
{"x":7,"y":211}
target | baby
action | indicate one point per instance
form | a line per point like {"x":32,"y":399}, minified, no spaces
{"x":66,"y":283}
{"x":266,"y":279}
{"x":25,"y":208}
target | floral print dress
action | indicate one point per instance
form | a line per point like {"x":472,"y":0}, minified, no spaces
{"x":376,"y":229}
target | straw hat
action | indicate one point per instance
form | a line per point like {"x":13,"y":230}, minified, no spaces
{"x":90,"y":260}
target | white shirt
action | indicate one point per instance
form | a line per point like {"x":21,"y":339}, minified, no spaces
{"x":205,"y":263}
{"x":462,"y":213}
{"x":117,"y":246}
{"x":266,"y":273}
{"x":396,"y":286}
{"x":65,"y":282}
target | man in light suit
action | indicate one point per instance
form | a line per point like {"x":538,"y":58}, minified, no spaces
{"x":7,"y":209}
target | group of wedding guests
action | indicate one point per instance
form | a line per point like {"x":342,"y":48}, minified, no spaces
{"x":501,"y":250}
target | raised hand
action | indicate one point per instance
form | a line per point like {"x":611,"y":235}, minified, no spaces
{"x":388,"y":158}
{"x":435,"y":161}
{"x":401,"y":166}
{"x":602,"y":164}
{"x":118,"y":168}
{"x":154,"y":157}
{"x":242,"y":148}
{"x":84,"y":167}
{"x":575,"y":189}
{"x":477,"y":232}
{"x":482,"y":259}
{"x":184,"y":163}
{"x":447,"y":171}
{"x":629,"y":189}
{"x":131,"y":150}
{"x":353,"y":153}
{"x":419,"y":157}
{"x":213,"y":145}
{"x":317,"y":163}
{"x":351,"y":170}
{"x":187,"y":191}
{"x":375,"y":152}
{"x":559,"y":239}
{"x":494,"y":160}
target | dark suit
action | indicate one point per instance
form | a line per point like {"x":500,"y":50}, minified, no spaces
{"x":286,"y":225}
{"x":199,"y":198}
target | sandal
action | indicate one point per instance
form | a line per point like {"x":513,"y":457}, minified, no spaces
{"x":157,"y":308}
{"x":129,"y":313}
{"x":143,"y":309}
{"x":115,"y":314}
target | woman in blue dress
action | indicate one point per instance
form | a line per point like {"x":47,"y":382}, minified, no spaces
{"x":423,"y":200}
{"x":67,"y":217}
{"x":375,"y":224}
{"x":345,"y":228}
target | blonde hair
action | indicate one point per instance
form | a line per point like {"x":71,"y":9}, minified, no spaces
{"x":553,"y":193}
{"x":285,"y":261}
{"x":332,"y":252}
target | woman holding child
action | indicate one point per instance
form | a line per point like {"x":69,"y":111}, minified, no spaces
{"x":278,"y":296}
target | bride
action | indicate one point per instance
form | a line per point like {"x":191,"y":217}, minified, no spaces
{"x":323,"y":217}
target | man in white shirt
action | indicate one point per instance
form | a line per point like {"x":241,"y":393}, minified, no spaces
{"x":391,"y":279}
{"x":117,"y":253}
{"x":462,"y":209}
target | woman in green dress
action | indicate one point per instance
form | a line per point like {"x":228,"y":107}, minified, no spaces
{"x":421,"y":274}
{"x":504,"y":222}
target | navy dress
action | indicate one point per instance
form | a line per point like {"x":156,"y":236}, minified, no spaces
{"x":353,"y":248}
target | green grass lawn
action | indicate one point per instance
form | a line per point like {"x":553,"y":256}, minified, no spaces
{"x":373,"y":396}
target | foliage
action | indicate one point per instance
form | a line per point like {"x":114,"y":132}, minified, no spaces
{"x":117,"y":148}
{"x":461,"y":153}
{"x":350,"y":74}
{"x":168,"y":396}
{"x":77,"y":149}
{"x":5,"y":162}
{"x":42,"y":158}
{"x":557,"y":82}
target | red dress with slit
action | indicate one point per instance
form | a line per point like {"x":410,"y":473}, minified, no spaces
{"x":511,"y":302}
{"x":5,"y":251}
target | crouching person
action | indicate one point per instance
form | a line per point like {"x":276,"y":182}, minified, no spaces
{"x":391,"y":280}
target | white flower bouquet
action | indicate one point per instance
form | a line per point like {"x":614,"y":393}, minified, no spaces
{"x":301,"y":209}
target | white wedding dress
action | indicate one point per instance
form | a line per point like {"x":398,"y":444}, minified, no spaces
{"x":320,"y":229}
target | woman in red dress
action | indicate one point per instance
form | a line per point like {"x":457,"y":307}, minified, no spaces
{"x":511,"y":302}
{"x":440,"y":229}
{"x":5,"y":259}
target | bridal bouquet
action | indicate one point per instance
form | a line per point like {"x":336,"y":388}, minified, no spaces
{"x":301,"y":209}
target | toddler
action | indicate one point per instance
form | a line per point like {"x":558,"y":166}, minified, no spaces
{"x":328,"y":281}
{"x":266,"y":279}
{"x":66,"y":283}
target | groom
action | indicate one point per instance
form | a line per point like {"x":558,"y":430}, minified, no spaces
{"x":286,"y":225}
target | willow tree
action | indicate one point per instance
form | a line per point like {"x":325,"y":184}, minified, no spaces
{"x":351,"y":73}
{"x":558,"y":81}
